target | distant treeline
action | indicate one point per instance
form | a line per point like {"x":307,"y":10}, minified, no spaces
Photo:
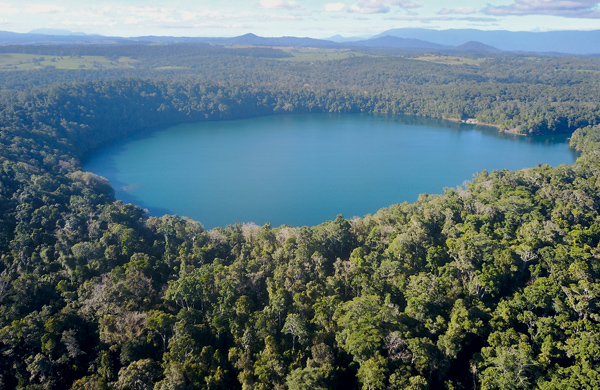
{"x":529,"y":95}
{"x":175,"y":52}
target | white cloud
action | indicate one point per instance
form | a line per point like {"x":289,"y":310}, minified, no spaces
{"x":153,"y":16}
{"x":278,"y":4}
{"x":8,"y":9}
{"x":456,"y":11}
{"x":131,"y":20}
{"x":564,"y":8}
{"x":44,"y":9}
{"x":275,"y":17}
{"x":444,"y":18}
{"x":380,"y":6}
{"x":283,"y":18}
{"x":369,"y":8}
{"x":151,"y":20}
{"x":186,"y":15}
{"x":148,"y":12}
{"x":335,"y":7}
{"x":147,"y":15}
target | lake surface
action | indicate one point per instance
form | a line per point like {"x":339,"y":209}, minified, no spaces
{"x":305,"y":169}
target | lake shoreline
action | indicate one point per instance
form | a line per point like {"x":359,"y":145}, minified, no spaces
{"x":302,"y":169}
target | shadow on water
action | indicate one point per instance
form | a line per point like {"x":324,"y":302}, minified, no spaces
{"x":549,"y":140}
{"x":105,"y":158}
{"x":128,"y":198}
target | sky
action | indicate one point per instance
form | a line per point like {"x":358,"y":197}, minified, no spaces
{"x":276,"y":18}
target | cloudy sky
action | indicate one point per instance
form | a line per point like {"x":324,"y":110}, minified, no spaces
{"x":306,"y":18}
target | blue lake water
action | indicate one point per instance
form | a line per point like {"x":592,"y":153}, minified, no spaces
{"x":305,"y":169}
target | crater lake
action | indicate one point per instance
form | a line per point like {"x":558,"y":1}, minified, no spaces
{"x":305,"y":169}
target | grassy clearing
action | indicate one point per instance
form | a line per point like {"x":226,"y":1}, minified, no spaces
{"x":588,"y":71}
{"x":450,"y":60}
{"x":18,"y":61}
{"x":171,"y":67}
{"x":319,"y":54}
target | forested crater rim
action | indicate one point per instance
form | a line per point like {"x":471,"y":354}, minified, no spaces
{"x":489,"y":285}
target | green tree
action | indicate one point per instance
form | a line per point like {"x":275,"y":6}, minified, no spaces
{"x":362,"y":322}
{"x":296,"y":326}
{"x":372,"y":373}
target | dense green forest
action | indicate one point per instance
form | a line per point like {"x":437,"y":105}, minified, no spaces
{"x":493,"y":285}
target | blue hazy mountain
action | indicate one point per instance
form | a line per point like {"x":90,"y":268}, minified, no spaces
{"x":397,"y":42}
{"x":55,"y":31}
{"x":340,"y":39}
{"x":574,"y":42}
{"x":465,"y":40}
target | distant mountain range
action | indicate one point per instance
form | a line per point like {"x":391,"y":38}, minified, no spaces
{"x":467,"y":40}
{"x":55,"y":31}
{"x":255,"y":40}
{"x":394,"y":41}
{"x":571,"y":42}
